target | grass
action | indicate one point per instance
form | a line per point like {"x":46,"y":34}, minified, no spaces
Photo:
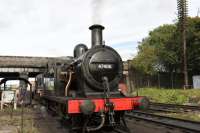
{"x":173,"y":96}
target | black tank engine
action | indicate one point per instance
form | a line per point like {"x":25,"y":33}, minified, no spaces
{"x":87,"y":91}
{"x":97,"y":64}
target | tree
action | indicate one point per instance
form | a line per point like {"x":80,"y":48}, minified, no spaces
{"x":158,"y":52}
{"x":146,"y":59}
{"x":162,"y":51}
{"x":193,"y":45}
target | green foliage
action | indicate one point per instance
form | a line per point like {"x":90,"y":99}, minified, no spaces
{"x":162,"y":50}
{"x":146,"y":60}
{"x":174,"y":96}
{"x":193,"y":43}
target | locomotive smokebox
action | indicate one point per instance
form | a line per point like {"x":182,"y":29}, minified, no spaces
{"x":96,"y":31}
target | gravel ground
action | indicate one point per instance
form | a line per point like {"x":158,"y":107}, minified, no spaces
{"x":37,"y":120}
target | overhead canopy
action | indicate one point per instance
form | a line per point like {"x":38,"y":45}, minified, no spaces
{"x":4,"y":80}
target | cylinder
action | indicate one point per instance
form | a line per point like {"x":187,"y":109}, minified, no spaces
{"x":96,"y":33}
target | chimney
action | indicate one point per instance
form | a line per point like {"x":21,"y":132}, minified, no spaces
{"x":96,"y":32}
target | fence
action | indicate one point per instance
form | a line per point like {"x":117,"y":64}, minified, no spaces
{"x":137,"y":79}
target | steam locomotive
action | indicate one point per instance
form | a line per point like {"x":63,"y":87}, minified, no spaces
{"x":87,"y":90}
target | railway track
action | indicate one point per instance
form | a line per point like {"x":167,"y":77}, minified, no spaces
{"x":173,"y":107}
{"x":184,"y":125}
{"x":119,"y":131}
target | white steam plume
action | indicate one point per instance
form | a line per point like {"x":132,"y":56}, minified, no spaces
{"x":97,"y":11}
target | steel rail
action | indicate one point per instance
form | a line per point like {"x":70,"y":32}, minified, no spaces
{"x":173,"y":107}
{"x":167,"y":121}
{"x":119,"y":131}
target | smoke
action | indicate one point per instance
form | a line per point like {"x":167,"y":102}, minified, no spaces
{"x":97,"y":11}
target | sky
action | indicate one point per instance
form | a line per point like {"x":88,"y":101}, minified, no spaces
{"x":53,"y":27}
